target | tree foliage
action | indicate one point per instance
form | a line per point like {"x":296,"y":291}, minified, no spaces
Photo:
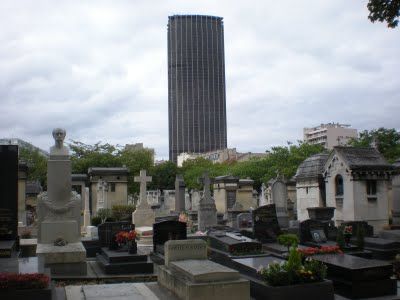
{"x":163,"y":175}
{"x":384,"y":11}
{"x":387,"y":141}
{"x":84,"y":156}
{"x":37,"y":165}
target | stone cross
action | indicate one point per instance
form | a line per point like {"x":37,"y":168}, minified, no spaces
{"x":143,"y":179}
{"x":205,"y":180}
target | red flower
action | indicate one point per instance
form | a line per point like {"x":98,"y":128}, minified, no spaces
{"x":23,"y":281}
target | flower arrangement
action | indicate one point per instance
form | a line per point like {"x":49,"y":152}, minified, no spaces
{"x":23,"y":281}
{"x":310,"y":251}
{"x":124,"y":237}
{"x":293,"y":271}
{"x":348,"y":230}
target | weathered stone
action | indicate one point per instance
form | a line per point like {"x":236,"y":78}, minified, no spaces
{"x":176,"y":250}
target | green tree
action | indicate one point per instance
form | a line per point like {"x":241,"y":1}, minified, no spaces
{"x":135,"y":160}
{"x":387,"y":141}
{"x":84,"y":156}
{"x":37,"y":165}
{"x":163,"y":175}
{"x":384,"y":11}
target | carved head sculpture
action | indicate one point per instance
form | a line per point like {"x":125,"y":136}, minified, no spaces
{"x":59,"y":136}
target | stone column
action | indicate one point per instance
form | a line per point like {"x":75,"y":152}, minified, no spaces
{"x":179,"y":194}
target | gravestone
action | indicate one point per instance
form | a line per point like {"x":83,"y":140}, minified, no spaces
{"x":265,"y":223}
{"x":8,"y":199}
{"x":86,"y":212}
{"x":314,"y":232}
{"x":233,"y":243}
{"x":244,"y":220}
{"x":262,"y":200}
{"x":165,"y":231}
{"x":59,"y":216}
{"x":357,"y":277}
{"x":279,"y":198}
{"x":102,"y":192}
{"x":190,"y":275}
{"x":179,"y":193}
{"x":108,"y":230}
{"x":143,"y":216}
{"x":368,"y":229}
{"x":207,"y":214}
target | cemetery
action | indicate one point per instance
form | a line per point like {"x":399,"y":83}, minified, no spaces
{"x":219,"y":242}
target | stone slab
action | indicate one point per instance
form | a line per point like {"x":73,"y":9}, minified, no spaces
{"x":70,"y":253}
{"x":203,"y":271}
{"x":223,"y":290}
{"x":51,"y":230}
{"x":176,"y":250}
{"x":143,"y":217}
{"x":7,"y":249}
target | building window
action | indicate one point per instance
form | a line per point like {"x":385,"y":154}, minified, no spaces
{"x":371,"y":187}
{"x":339,"y":185}
{"x":112,"y":187}
{"x":371,"y":191}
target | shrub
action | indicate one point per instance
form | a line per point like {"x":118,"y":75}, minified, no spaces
{"x":23,"y":281}
{"x":123,"y":212}
{"x":293,"y":271}
{"x":96,"y":221}
{"x":104,"y":214}
{"x":288,"y":240}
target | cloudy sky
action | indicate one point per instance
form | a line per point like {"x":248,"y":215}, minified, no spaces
{"x":99,"y":69}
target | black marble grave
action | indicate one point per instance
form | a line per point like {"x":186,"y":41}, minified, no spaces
{"x":8,"y":200}
{"x":121,"y":262}
{"x":368,"y":229}
{"x":163,"y":232}
{"x":382,"y":248}
{"x":315,"y":233}
{"x":357,"y":277}
{"x":233,"y":243}
{"x":108,"y":230}
{"x":265,"y":224}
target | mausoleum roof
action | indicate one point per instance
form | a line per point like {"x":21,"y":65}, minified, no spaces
{"x":33,"y":187}
{"x":107,"y":171}
{"x":78,"y":177}
{"x":312,"y":167}
{"x":363,"y":158}
{"x":226,"y":178}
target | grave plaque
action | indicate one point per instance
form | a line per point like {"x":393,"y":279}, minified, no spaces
{"x":318,"y":236}
{"x":244,"y":220}
{"x":108,"y":230}
{"x":8,"y":192}
{"x":230,"y":199}
{"x":265,"y":223}
{"x":316,"y":231}
{"x":165,"y":231}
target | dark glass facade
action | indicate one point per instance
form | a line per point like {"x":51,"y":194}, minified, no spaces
{"x":196,"y":84}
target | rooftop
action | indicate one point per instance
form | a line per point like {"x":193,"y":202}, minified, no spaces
{"x":363,"y":158}
{"x":312,"y":167}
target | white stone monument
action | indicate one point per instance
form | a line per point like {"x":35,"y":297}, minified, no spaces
{"x":102,"y":192}
{"x":262,"y":200}
{"x":59,"y":214}
{"x":143,"y":217}
{"x":279,"y":198}
{"x":207,"y":214}
{"x":86,"y":212}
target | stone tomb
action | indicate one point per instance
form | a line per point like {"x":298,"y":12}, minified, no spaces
{"x":163,"y":232}
{"x":190,"y":275}
{"x":8,"y":199}
{"x":113,"y":260}
{"x":232,"y":243}
{"x":108,"y":230}
{"x":357,"y":277}
{"x":265,"y":223}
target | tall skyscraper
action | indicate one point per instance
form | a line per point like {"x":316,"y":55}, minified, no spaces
{"x":196,"y":84}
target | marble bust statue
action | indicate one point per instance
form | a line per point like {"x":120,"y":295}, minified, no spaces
{"x":59,"y":148}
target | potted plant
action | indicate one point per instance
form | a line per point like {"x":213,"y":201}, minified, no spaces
{"x":127,"y":238}
{"x":33,"y":286}
{"x":293,"y":279}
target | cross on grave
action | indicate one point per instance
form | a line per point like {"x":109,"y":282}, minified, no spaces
{"x":205,"y":180}
{"x":143,"y":179}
